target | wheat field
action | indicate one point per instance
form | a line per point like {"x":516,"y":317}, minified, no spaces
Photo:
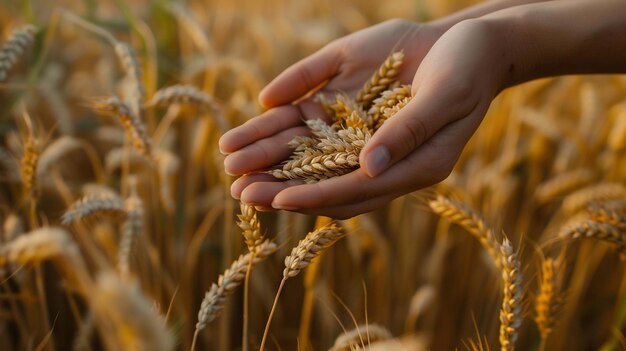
{"x":119,"y":233}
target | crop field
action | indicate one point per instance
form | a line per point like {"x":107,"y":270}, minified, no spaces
{"x":118,"y":231}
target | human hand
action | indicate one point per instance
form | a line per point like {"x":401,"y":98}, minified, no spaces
{"x":453,"y":88}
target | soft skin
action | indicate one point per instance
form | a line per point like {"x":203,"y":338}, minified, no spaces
{"x":456,"y":66}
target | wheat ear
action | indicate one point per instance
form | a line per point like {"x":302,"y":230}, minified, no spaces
{"x":45,"y":243}
{"x":214,"y":299}
{"x":131,"y":66}
{"x":132,"y":228}
{"x":511,"y":310}
{"x":250,"y":227}
{"x":381,"y":80}
{"x":92,"y":204}
{"x":28,"y":166}
{"x":387,"y":100}
{"x":14,"y":47}
{"x":131,"y":122}
{"x":579,"y":199}
{"x":301,"y":256}
{"x":360,"y":337}
{"x":463,"y":215}
{"x":550,"y":300}
{"x":563,"y":184}
{"x":593,"y":229}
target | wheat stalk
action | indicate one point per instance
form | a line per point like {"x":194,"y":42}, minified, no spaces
{"x":463,"y":215}
{"x":380,"y":80}
{"x":14,"y":47}
{"x":511,"y":310}
{"x":133,"y":125}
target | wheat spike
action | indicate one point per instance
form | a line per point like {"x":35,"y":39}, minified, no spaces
{"x":381,"y":80}
{"x":250,"y":226}
{"x":468,"y":218}
{"x":564,"y":183}
{"x":55,"y":151}
{"x":14,"y":47}
{"x":602,"y":214}
{"x":391,"y":111}
{"x":227,"y":282}
{"x":95,"y":204}
{"x":313,"y":166}
{"x":579,"y":199}
{"x":343,"y":108}
{"x":131,"y":66}
{"x":132,"y":124}
{"x":388,"y":99}
{"x":594,"y":229}
{"x":310,"y":247}
{"x":115,"y":158}
{"x":184,"y":94}
{"x":360,"y":337}
{"x":133,"y":227}
{"x":550,"y":300}
{"x":28,"y":166}
{"x":46,"y":243}
{"x":301,"y":143}
{"x":511,"y":310}
{"x":127,"y":317}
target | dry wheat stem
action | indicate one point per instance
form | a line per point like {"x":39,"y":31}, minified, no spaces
{"x":381,"y":80}
{"x":468,"y":218}
{"x":131,"y":122}
{"x":97,"y":203}
{"x":14,"y":47}
{"x":511,"y":310}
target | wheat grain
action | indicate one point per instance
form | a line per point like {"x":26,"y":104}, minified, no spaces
{"x":227,"y":282}
{"x":14,"y":47}
{"x":468,"y":218}
{"x":387,"y":100}
{"x":511,"y":310}
{"x":381,"y":80}
{"x":391,"y":111}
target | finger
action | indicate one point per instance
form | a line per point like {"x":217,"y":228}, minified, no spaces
{"x":302,"y":77}
{"x":262,"y":193}
{"x":263,"y":153}
{"x":263,"y":126}
{"x":436,"y":103}
{"x":242,"y":182}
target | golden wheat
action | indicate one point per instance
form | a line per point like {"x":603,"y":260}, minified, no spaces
{"x":381,"y":80}
{"x":511,"y":310}
{"x":14,"y":47}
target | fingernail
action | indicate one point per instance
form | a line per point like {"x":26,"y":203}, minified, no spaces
{"x":376,"y":162}
{"x":284,"y":207}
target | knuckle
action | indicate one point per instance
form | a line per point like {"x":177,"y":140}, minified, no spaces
{"x":416,"y":134}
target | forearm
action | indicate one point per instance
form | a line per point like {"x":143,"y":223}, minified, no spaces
{"x":560,"y":37}
{"x":479,"y":10}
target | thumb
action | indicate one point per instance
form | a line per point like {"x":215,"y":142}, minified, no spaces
{"x":302,"y":77}
{"x":430,"y":110}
